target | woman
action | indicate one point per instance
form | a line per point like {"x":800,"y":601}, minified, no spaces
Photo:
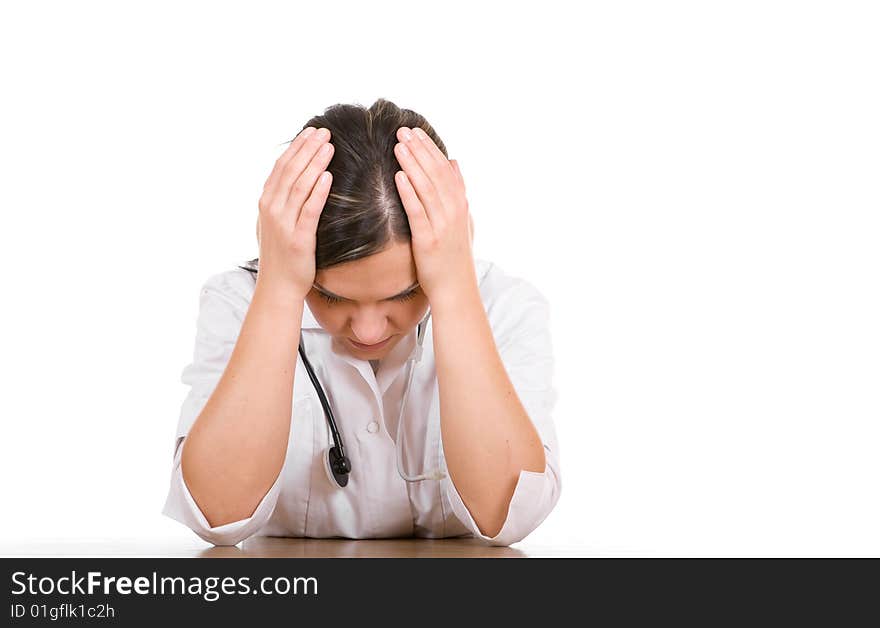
{"x":365,"y":255}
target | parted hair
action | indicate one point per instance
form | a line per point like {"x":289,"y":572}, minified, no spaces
{"x":363,"y":214}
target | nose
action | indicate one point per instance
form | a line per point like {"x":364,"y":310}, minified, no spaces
{"x":369,"y":330}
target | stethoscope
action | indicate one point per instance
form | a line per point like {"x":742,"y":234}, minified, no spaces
{"x":337,"y":464}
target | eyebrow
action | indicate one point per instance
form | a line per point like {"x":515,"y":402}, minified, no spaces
{"x":326,"y":292}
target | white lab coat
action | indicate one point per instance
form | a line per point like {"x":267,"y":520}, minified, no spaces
{"x":377,"y":502}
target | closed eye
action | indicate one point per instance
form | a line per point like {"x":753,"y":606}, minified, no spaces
{"x":406,"y":297}
{"x":331,"y":300}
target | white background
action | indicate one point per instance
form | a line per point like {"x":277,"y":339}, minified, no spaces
{"x":693,"y":185}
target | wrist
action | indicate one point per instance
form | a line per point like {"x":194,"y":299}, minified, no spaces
{"x":277,"y":293}
{"x":455,"y":296}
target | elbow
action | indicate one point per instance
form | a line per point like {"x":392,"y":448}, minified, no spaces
{"x":491,"y":530}
{"x":217,"y":518}
{"x":526,"y":514}
{"x":230,"y":527}
{"x":219,"y":529}
{"x":502,"y":537}
{"x":224,"y":525}
{"x":223,"y":539}
{"x":217,"y":506}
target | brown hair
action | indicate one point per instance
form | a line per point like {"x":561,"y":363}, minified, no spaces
{"x":364,"y":213}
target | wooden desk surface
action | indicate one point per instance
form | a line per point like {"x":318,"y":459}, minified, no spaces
{"x":277,"y":547}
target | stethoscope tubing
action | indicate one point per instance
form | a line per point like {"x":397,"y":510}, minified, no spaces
{"x":339,"y":465}
{"x":340,"y":476}
{"x":436,"y":474}
{"x":328,"y":413}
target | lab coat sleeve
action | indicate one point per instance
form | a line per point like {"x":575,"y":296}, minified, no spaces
{"x":223,"y":304}
{"x":521,"y":325}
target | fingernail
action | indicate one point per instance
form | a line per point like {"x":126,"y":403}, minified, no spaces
{"x":308,"y":131}
{"x":406,"y":134}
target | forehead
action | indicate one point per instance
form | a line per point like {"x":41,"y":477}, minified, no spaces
{"x":377,"y":276}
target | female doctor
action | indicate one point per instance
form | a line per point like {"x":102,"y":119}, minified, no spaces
{"x":366,"y":377}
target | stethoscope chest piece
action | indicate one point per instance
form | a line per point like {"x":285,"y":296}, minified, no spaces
{"x":337,"y":467}
{"x":336,"y":463}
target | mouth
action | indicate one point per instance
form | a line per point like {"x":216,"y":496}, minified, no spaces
{"x":363,"y":347}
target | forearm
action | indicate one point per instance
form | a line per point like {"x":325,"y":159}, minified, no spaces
{"x":236,"y":447}
{"x":488,"y":438}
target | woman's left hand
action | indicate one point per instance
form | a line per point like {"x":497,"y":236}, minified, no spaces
{"x":432,"y":190}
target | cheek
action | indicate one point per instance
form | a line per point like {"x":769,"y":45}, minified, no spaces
{"x":415,"y":310}
{"x":332,"y":322}
{"x":324,"y":314}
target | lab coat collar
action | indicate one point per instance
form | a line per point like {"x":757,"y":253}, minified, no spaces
{"x":308,"y":319}
{"x":389,"y":368}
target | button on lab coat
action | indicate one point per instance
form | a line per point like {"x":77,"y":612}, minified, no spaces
{"x":377,"y":502}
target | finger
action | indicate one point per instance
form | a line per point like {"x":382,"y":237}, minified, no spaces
{"x":419,"y":224}
{"x":436,"y":168}
{"x":431,"y":148}
{"x":422,"y":153}
{"x":281,"y":162}
{"x":302,"y":187}
{"x":297,"y":163}
{"x":314,"y":205}
{"x":419,"y":181}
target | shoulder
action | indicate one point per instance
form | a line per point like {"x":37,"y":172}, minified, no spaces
{"x":499,"y":289}
{"x":234,"y":287}
{"x":513,"y":304}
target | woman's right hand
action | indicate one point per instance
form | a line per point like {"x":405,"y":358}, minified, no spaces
{"x":291,"y":204}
